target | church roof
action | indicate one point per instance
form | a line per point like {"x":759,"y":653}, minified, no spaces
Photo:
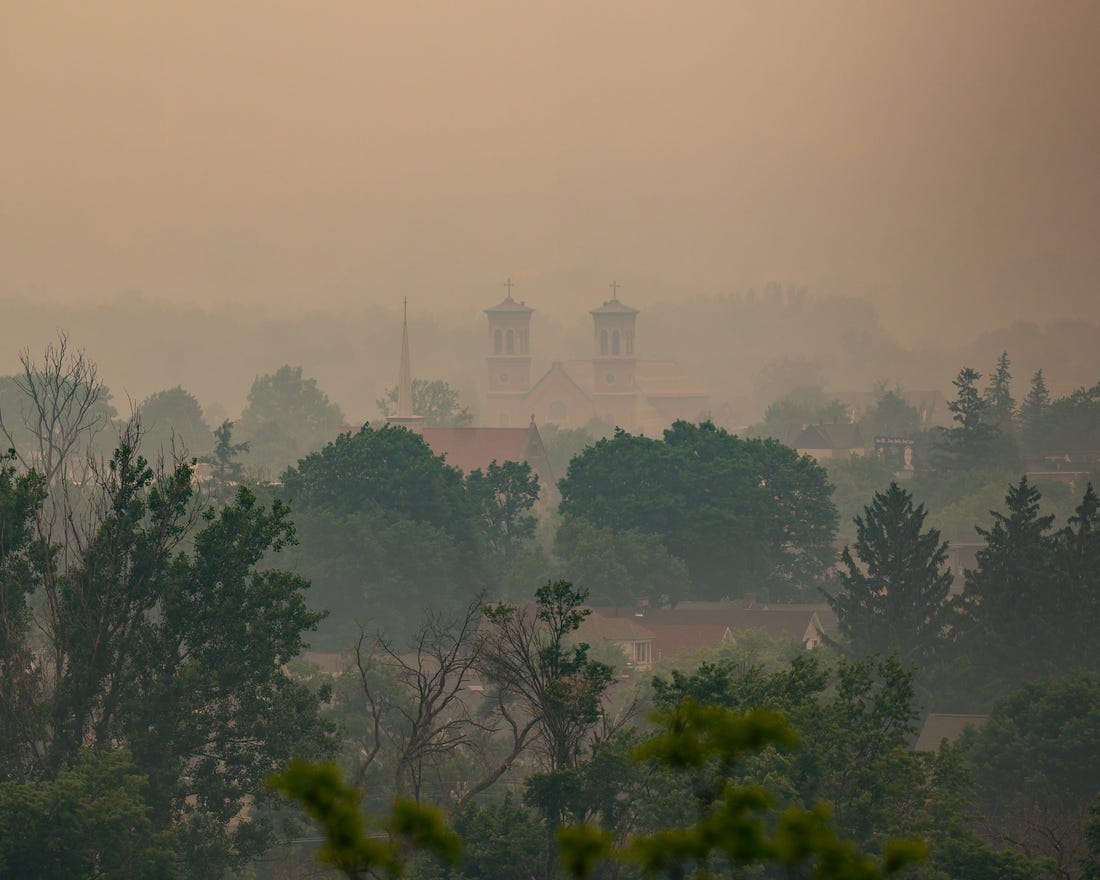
{"x":665,"y":379}
{"x":614,"y":307}
{"x":510,"y":305}
{"x":470,"y":449}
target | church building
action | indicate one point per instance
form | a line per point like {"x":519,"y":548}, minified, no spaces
{"x":615,"y":386}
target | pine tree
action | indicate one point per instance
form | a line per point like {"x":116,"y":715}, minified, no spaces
{"x":998,"y":394}
{"x":1032,"y":413}
{"x":1077,"y":602}
{"x":976,"y":441}
{"x":896,"y":597}
{"x":1008,"y":596}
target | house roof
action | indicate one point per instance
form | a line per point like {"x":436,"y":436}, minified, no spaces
{"x":778,"y":623}
{"x":651,"y":378}
{"x":672,"y":640}
{"x":823,"y":436}
{"x":615,"y":629}
{"x":469,"y":449}
{"x":939,"y":727}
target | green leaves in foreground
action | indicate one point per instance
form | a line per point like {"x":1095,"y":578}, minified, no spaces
{"x":349,"y":846}
{"x":739,"y":824}
{"x":736,"y":824}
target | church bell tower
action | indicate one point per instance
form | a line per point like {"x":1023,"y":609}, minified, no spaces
{"x":509,"y":360}
{"x":614,"y":360}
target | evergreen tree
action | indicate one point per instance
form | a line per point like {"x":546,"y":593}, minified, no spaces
{"x":976,"y":441}
{"x":1032,"y":412}
{"x":1007,"y":596}
{"x":998,"y":394}
{"x":896,"y":597}
{"x":1077,"y":602}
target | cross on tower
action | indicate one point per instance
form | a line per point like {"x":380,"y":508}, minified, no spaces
{"x":614,"y":285}
{"x":509,"y":284}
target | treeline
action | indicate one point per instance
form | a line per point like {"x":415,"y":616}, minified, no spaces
{"x":151,"y":680}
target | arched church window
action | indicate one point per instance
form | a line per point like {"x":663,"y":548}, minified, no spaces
{"x":615,"y":342}
{"x":510,"y":342}
{"x":556,"y":411}
{"x":629,"y":342}
{"x":603,"y":342}
{"x":498,"y":342}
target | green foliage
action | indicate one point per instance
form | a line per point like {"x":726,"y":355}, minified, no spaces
{"x":742,"y":514}
{"x":287,"y":417}
{"x":564,"y":444}
{"x":1090,"y":865}
{"x":433,"y":400}
{"x":227,"y":470}
{"x":855,"y":479}
{"x":389,"y":469}
{"x":980,"y":439}
{"x":998,"y":395}
{"x":501,"y":840}
{"x":387,"y":526}
{"x":528,"y":654}
{"x":1031,"y":603}
{"x":1037,"y":768}
{"x":504,"y":496}
{"x":619,"y":566}
{"x":349,"y":846}
{"x":806,"y":405}
{"x":1013,"y":575}
{"x":172,"y":423}
{"x":734,"y":823}
{"x":854,"y":721}
{"x":896,"y":597}
{"x":1072,"y":423}
{"x":1032,"y":414}
{"x":167,"y":641}
{"x":891,"y":416}
{"x":91,"y":821}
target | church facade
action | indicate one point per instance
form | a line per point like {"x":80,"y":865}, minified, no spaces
{"x":615,"y":386}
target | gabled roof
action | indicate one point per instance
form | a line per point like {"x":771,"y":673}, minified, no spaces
{"x":469,"y":449}
{"x":673,"y":640}
{"x":614,"y":629}
{"x":939,"y":727}
{"x":778,"y":623}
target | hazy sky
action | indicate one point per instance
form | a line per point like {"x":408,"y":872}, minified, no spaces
{"x":942,"y":158}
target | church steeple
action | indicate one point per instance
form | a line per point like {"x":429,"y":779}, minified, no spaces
{"x":405,"y":415}
{"x":509,"y":360}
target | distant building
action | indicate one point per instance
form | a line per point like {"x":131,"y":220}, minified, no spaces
{"x":614,"y":386}
{"x":470,"y":449}
{"x":649,"y":635}
{"x":830,"y":441}
{"x":940,"y":727}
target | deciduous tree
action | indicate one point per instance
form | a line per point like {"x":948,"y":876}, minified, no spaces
{"x":59,"y":406}
{"x":743,"y":515}
{"x":287,"y":417}
{"x":528,"y":654}
{"x":433,"y":400}
{"x":161,"y":636}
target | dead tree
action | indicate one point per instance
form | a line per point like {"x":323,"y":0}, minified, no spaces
{"x":430,"y":716}
{"x":63,"y":405}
